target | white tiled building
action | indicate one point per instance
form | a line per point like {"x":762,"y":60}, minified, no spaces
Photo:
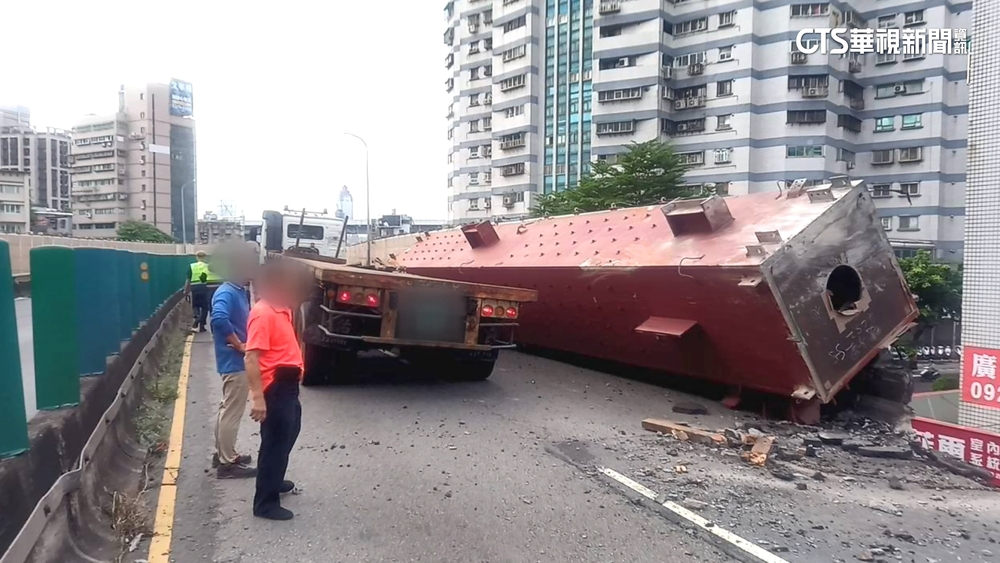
{"x":981,"y":287}
{"x":15,"y":203}
{"x":722,"y":81}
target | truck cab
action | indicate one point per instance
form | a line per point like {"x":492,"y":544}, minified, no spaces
{"x":304,"y":231}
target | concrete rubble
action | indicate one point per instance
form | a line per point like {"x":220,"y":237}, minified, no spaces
{"x":850,"y":489}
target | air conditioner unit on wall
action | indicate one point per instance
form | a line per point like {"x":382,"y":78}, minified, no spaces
{"x":680,"y":104}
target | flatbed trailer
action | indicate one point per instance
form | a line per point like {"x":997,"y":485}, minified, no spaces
{"x":446,"y":328}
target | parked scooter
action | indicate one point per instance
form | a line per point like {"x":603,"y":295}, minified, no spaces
{"x":929,"y":374}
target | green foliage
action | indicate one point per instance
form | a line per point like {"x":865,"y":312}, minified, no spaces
{"x":138,"y":231}
{"x":938,"y":287}
{"x":945,"y":383}
{"x":647,"y":173}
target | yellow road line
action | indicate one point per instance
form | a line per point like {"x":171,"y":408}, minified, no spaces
{"x":163,"y":525}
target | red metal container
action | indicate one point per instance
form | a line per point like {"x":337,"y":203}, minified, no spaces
{"x":790,"y":293}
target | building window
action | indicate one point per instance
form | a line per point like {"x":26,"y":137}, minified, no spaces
{"x":473,"y":152}
{"x":487,"y":124}
{"x":474,"y":73}
{"x":514,"y":111}
{"x":474,"y":204}
{"x":883,"y":124}
{"x":474,"y":178}
{"x":488,"y":177}
{"x":688,"y":59}
{"x":909,"y":222}
{"x":911,"y":189}
{"x":474,"y":126}
{"x":514,"y":24}
{"x":810,"y":10}
{"x":473,"y":100}
{"x":914,"y":154}
{"x":887,"y":21}
{"x":724,"y":122}
{"x":881,"y":190}
{"x":487,"y":151}
{"x":913,"y":87}
{"x":727,"y":19}
{"x":690,"y":26}
{"x":616,"y":128}
{"x":512,"y":83}
{"x":723,"y":156}
{"x":912,"y":121}
{"x":885,"y":58}
{"x":915,"y":17}
{"x":886,"y":223}
{"x":806,"y":117}
{"x":619,"y":95}
{"x":808,"y":151}
{"x":514,"y":53}
{"x":726,"y":53}
{"x":691,"y":158}
{"x":724,"y":88}
{"x":473,"y":47}
{"x":882,"y":156}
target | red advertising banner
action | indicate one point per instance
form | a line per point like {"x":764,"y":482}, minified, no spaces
{"x":980,"y":385}
{"x":971,"y":445}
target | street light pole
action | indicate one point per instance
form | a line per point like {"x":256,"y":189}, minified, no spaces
{"x":368,"y":200}
{"x":184,"y":231}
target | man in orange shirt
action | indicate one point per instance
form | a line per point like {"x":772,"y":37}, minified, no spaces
{"x":274,"y":370}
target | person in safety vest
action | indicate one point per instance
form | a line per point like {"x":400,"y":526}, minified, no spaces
{"x":200,"y":285}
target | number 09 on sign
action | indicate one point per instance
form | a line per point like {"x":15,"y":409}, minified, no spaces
{"x":980,"y":385}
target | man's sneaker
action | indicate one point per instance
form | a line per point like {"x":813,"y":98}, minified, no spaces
{"x":235,"y":471}
{"x":276,"y":513}
{"x":240,"y":459}
{"x":287,"y":486}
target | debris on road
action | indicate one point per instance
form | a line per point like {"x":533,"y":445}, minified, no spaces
{"x":690,"y":408}
{"x":758,"y":454}
{"x":675,"y":429}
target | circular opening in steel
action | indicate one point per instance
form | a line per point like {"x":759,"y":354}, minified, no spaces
{"x":844,"y":289}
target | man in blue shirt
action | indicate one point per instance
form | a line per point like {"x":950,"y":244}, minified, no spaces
{"x":230,"y":311}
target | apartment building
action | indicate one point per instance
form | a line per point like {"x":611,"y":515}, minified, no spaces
{"x":724,"y":83}
{"x":213,"y":229}
{"x":15,"y":203}
{"x":138,"y":164}
{"x":42,"y":155}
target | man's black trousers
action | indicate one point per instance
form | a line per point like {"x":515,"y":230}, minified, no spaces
{"x":278,"y":433}
{"x":201,"y":302}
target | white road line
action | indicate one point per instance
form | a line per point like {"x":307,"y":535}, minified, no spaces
{"x":756,"y":552}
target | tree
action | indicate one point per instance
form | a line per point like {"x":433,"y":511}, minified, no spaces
{"x":646,"y":173}
{"x":138,"y":231}
{"x":938,"y":287}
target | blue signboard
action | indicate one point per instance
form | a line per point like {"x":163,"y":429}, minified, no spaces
{"x":181,"y":99}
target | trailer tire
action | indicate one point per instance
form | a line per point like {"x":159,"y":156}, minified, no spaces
{"x":471,"y":370}
{"x":318,"y":363}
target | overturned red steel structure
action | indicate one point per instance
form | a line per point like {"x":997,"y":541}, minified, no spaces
{"x":790,"y":293}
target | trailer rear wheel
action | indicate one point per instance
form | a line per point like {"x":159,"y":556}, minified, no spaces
{"x":471,"y":370}
{"x":318,"y":363}
{"x":324,"y":366}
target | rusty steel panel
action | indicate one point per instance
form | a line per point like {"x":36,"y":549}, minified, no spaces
{"x":841,"y":286}
{"x":719,"y":299}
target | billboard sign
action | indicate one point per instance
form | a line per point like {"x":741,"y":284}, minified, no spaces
{"x":181,"y":99}
{"x":971,"y":445}
{"x":980,"y":381}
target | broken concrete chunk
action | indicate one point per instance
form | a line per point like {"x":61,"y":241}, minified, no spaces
{"x":690,"y":408}
{"x":760,"y":451}
{"x":819,"y":476}
{"x":895,"y":484}
{"x":692,"y":504}
{"x":693,"y":434}
{"x":734,"y":438}
{"x":781,"y":472}
{"x":834,"y":438}
{"x":854,"y":445}
{"x":813,"y":441}
{"x":887,"y":452}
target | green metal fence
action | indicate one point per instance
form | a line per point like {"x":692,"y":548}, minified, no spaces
{"x":85,"y":304}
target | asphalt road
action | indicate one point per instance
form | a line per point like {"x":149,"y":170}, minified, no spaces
{"x":22,"y":308}
{"x":404,"y":469}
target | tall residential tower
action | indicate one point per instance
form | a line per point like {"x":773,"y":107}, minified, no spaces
{"x":723,"y":82}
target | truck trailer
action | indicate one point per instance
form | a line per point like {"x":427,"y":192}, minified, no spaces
{"x":445,"y":328}
{"x":791,"y":293}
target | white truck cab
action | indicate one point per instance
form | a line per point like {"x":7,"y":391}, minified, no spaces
{"x":308,"y":231}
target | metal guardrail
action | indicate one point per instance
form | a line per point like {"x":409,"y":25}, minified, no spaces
{"x":69,"y":482}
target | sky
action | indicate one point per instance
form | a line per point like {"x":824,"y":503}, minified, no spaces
{"x":275,"y":86}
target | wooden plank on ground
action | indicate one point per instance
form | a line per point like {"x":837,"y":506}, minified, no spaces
{"x":672,"y":428}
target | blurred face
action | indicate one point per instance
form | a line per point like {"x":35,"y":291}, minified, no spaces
{"x":286,"y":286}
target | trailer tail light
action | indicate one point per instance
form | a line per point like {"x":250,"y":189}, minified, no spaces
{"x":344,"y":297}
{"x":511,"y":313}
{"x":487,"y":311}
{"x":372,"y":300}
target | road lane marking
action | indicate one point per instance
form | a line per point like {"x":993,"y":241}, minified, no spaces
{"x":163,"y":525}
{"x":753,"y":551}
